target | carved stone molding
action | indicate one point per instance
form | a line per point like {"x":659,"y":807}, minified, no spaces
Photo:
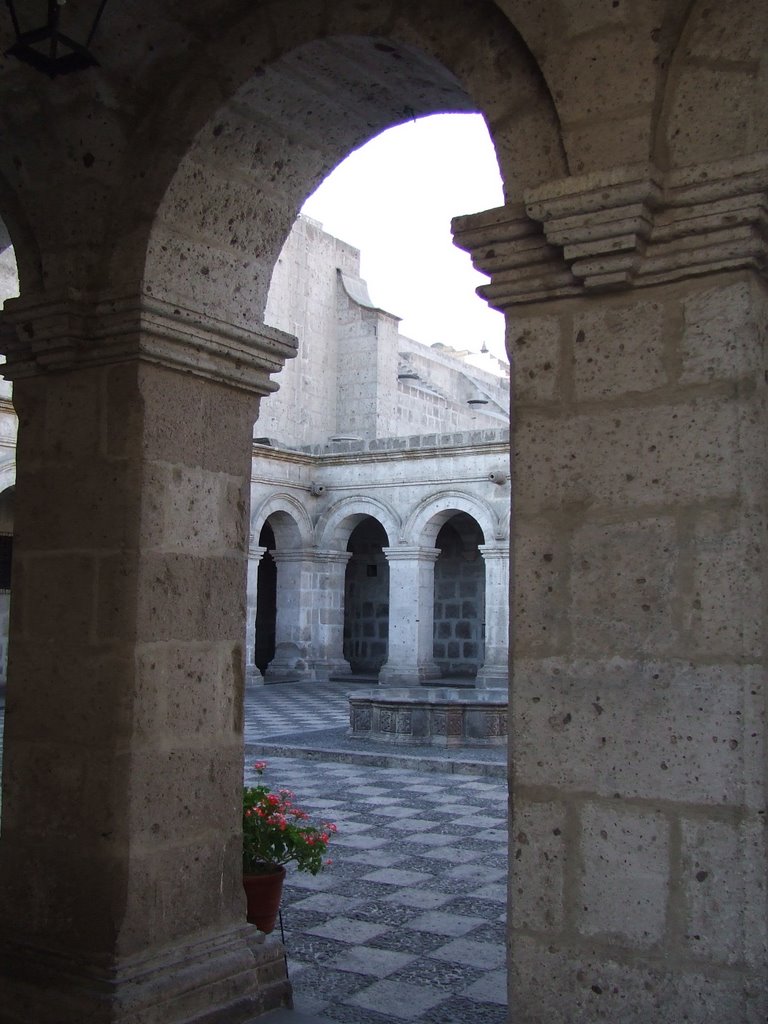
{"x":72,"y":331}
{"x":631,"y":226}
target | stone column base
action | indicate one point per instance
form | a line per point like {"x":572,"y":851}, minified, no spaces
{"x":394,"y":675}
{"x":228,"y":979}
{"x":253,"y":676}
{"x":331,"y":669}
{"x":495,"y":677}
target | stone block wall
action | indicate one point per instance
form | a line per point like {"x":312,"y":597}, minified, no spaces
{"x":639,"y":622}
{"x":366,"y":603}
{"x":344,"y":380}
{"x":459,"y":613}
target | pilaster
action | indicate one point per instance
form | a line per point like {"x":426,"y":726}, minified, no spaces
{"x":293,"y":622}
{"x":253,"y":676}
{"x":329,"y":569}
{"x":411,"y":616}
{"x":120,"y":854}
{"x":494,"y":672}
{"x":637,"y":315}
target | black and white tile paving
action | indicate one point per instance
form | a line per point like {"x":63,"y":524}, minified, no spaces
{"x":408,"y":922}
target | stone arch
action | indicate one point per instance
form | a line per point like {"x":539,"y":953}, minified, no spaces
{"x":366,"y":596}
{"x":337,"y":523}
{"x":715,"y":106}
{"x":7,"y":524}
{"x":229,"y":194}
{"x":16,"y":230}
{"x":288,"y":518}
{"x":459,"y":596}
{"x":7,"y":475}
{"x":424,"y":522}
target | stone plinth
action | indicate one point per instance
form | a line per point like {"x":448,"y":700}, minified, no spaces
{"x":433,"y":716}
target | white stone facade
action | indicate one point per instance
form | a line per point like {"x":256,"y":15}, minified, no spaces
{"x":369,"y":426}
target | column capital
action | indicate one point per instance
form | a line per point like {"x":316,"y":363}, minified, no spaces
{"x":630,"y":226}
{"x":292,"y":555}
{"x":411,"y":553}
{"x":256,"y":553}
{"x":492,"y":551}
{"x":73,"y":330}
{"x":331,"y":557}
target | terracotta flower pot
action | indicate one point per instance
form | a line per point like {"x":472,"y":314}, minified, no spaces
{"x":263,"y":893}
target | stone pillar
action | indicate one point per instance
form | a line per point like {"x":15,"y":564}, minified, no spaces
{"x":495,"y":668}
{"x":411,"y":616}
{"x":636,"y":323}
{"x":253,"y":676}
{"x":328,"y":615}
{"x":120,"y":858}
{"x":293,"y":625}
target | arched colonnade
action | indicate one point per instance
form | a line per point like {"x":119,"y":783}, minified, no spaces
{"x":316,"y":602}
{"x":147,"y":201}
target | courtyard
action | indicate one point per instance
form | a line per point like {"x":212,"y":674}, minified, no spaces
{"x":408,"y":922}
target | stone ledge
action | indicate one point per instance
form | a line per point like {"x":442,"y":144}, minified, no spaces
{"x":71,"y":330}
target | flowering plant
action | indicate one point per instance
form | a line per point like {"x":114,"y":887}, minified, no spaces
{"x":276,"y":832}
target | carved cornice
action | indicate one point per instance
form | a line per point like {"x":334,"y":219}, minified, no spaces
{"x":628,"y":227}
{"x":72,"y":331}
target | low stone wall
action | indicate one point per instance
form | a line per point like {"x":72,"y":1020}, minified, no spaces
{"x":431,"y":716}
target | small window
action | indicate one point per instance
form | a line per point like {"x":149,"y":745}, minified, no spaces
{"x":372,"y":570}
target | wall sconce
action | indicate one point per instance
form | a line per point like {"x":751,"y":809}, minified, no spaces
{"x":49,"y":50}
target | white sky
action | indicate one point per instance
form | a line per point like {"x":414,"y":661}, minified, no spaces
{"x":394,"y":199}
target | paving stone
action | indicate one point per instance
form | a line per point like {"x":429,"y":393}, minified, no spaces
{"x":311,"y":949}
{"x":368,"y":890}
{"x":470,"y":906}
{"x":492,"y":835}
{"x":369,"y":791}
{"x":491,"y":931}
{"x":475,"y":873}
{"x":369,"y":960}
{"x":396,"y":811}
{"x":347,"y":929}
{"x":440,"y":923}
{"x":443,"y":976}
{"x":379,"y":912}
{"x":496,"y":891}
{"x":379,"y":858}
{"x":323,"y":882}
{"x":405,"y":941}
{"x":479,"y":822}
{"x":424,"y":899}
{"x":359,"y":842}
{"x":396,"y":876}
{"x":413,"y":825}
{"x":491,"y":988}
{"x":325,"y":985}
{"x":402,"y":1001}
{"x":459,"y":1010}
{"x":430,"y":839}
{"x":331,"y":903}
{"x":485,"y":955}
{"x":452,"y":854}
{"x":354,"y":1015}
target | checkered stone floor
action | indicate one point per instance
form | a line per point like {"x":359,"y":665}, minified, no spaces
{"x":294,"y":708}
{"x":407,"y":924}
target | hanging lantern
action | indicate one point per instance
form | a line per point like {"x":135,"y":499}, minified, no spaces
{"x":47,"y":48}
